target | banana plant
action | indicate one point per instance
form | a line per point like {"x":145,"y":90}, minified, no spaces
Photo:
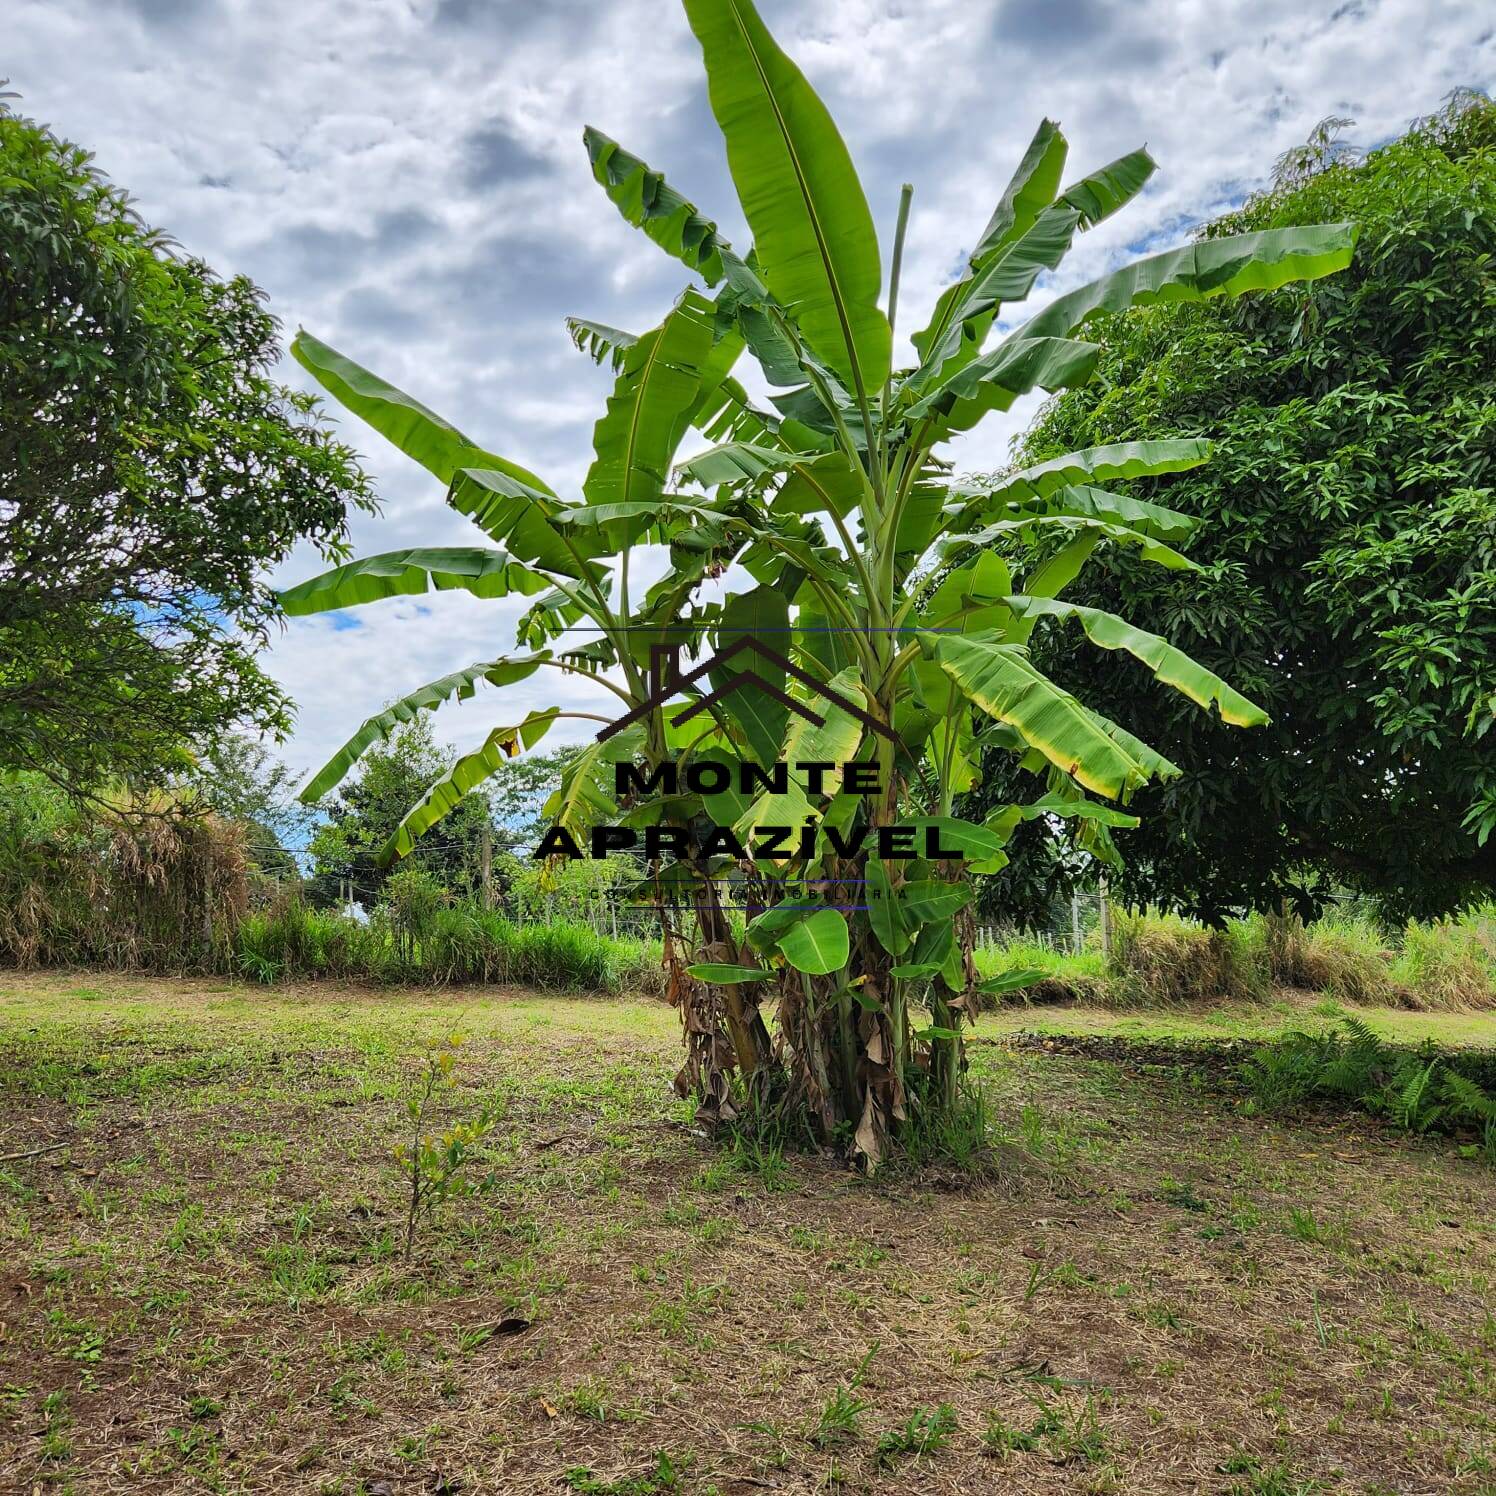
{"x":908,"y":596}
{"x":925,"y":604}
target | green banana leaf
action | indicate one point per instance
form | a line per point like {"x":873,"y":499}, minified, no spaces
{"x":885,"y":911}
{"x":1260,"y":261}
{"x":1011,"y":980}
{"x":400,"y":418}
{"x":995,"y":380}
{"x":812,"y":229}
{"x":1104,"y":529}
{"x":649,"y":202}
{"x":475,"y":569}
{"x":762,"y":614}
{"x":726,"y":974}
{"x":1086,"y":502}
{"x":1113,"y":463}
{"x":520,"y":517}
{"x":1170,"y":664}
{"x":1009,"y":275}
{"x":835,"y":741}
{"x":648,"y":411}
{"x":460,"y":685}
{"x":585,"y":797}
{"x":980,"y":847}
{"x":818,"y":945}
{"x":999,"y":679}
{"x":735,"y":462}
{"x":1031,"y":190}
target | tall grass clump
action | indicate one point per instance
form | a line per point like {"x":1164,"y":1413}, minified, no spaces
{"x":1341,"y":954}
{"x":1068,"y":976}
{"x":1163,"y":960}
{"x":1450,"y":964}
{"x":145,"y":885}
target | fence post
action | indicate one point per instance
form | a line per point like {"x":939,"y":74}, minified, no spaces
{"x":1075,"y":922}
{"x":485,"y":864}
{"x":1106,"y":918}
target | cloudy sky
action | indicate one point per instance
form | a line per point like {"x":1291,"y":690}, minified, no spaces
{"x":406,"y":178}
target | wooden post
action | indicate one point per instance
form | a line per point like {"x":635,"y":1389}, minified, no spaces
{"x":1075,"y":922}
{"x":1106,"y":918}
{"x":485,"y":864}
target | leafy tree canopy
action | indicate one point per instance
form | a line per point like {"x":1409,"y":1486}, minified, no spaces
{"x":150,"y":471}
{"x":368,"y":806}
{"x":1349,"y":531}
{"x":238,"y":778}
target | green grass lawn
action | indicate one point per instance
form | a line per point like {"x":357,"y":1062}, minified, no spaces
{"x":204,"y":1289}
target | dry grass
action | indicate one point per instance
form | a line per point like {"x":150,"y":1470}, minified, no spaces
{"x":199,"y":1292}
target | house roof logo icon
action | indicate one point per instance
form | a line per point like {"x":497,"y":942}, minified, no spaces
{"x":665,"y":681}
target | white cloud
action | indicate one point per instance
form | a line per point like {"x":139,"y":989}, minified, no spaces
{"x":406,"y":178}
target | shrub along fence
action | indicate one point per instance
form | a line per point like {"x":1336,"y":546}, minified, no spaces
{"x":1160,"y":960}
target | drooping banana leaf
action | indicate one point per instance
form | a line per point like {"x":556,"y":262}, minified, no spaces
{"x":1170,"y":664}
{"x":586,"y":796}
{"x":735,"y":462}
{"x":980,"y":846}
{"x":1085,"y":502}
{"x":400,"y":418}
{"x":812,"y":230}
{"x":1000,"y":680}
{"x":549,"y":616}
{"x":650,"y":203}
{"x":1260,"y":261}
{"x":458,"y":686}
{"x":502,"y":744}
{"x":996,"y":379}
{"x":1069,"y":806}
{"x":475,"y":569}
{"x":1115,"y":462}
{"x":727,"y":414}
{"x":1152,"y":550}
{"x":599,"y":341}
{"x":521,"y":518}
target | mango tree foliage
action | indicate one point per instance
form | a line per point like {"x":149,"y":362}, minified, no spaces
{"x":901,"y":603}
{"x":1349,"y":523}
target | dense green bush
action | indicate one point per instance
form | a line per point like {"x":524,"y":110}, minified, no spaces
{"x":1349,"y":544}
{"x":455,"y":943}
